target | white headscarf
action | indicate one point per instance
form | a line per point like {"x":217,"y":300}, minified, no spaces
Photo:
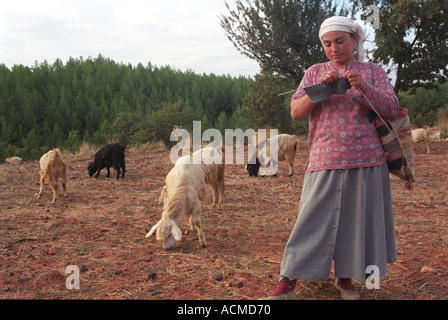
{"x":338,"y":23}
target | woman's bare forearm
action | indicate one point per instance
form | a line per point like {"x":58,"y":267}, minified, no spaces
{"x":302,"y":107}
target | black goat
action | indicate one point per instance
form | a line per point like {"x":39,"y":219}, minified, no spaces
{"x":287,"y":146}
{"x":253,"y":168}
{"x":111,"y":155}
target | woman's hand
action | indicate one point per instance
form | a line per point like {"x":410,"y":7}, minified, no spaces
{"x":355,"y":79}
{"x":330,"y":77}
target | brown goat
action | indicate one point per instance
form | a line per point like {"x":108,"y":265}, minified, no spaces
{"x":54,"y":169}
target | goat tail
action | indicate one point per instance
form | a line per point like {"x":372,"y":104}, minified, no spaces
{"x":56,"y":158}
{"x":57,"y":154}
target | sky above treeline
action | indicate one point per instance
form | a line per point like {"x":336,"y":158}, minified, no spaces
{"x":185,"y":35}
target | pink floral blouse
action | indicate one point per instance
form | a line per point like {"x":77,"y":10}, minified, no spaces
{"x":340,"y":133}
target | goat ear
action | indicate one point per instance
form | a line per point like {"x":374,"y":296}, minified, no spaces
{"x":176,"y":232}
{"x":152,"y":230}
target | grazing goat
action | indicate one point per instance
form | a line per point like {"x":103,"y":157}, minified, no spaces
{"x":287,"y":146}
{"x":54,"y":169}
{"x":185,"y":186}
{"x":214,"y":177}
{"x":14,"y":160}
{"x":112,"y":155}
{"x":421,"y":135}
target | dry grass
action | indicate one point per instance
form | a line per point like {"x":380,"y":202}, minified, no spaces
{"x":85,"y":151}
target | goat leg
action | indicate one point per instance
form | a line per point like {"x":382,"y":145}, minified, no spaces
{"x":41,"y":186}
{"x":123,"y":169}
{"x":197,"y":224}
{"x":55,"y":191}
{"x":64,"y":188}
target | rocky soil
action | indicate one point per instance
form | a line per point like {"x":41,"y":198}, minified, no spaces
{"x":101,"y":229}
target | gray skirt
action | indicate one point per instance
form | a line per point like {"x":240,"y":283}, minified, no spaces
{"x":345,"y":216}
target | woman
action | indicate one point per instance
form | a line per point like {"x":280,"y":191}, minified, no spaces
{"x":345,"y":213}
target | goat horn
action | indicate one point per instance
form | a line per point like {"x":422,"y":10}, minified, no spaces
{"x":152,"y":230}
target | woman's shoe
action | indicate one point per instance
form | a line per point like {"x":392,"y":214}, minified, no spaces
{"x":347,"y":294}
{"x":284,"y":291}
{"x":291,"y":295}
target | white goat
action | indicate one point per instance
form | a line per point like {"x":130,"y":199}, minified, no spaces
{"x":54,"y":169}
{"x":287,"y":146}
{"x":214,"y":177}
{"x":421,"y":135}
{"x":184,"y":186}
{"x":14,"y":160}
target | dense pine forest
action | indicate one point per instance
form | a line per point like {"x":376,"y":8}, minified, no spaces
{"x":97,"y":100}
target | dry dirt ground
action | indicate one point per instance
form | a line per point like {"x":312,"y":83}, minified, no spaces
{"x":101,"y":229}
